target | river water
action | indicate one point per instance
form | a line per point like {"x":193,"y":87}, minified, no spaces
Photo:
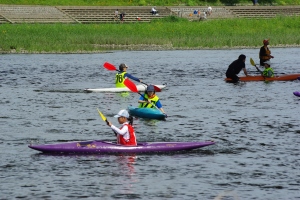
{"x":255,"y":125}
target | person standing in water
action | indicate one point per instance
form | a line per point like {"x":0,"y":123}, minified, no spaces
{"x":264,"y":53}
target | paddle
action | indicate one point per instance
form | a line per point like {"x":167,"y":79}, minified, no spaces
{"x":261,"y":73}
{"x":133,"y":88}
{"x":104,"y":119}
{"x":253,"y":63}
{"x":111,"y":67}
{"x":102,"y":116}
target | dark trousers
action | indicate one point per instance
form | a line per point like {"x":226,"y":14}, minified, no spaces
{"x":234,"y":78}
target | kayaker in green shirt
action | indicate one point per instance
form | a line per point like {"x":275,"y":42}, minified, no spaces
{"x":151,"y":100}
{"x":268,"y":71}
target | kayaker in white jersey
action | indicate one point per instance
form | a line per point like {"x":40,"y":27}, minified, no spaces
{"x":125,"y":134}
{"x":122,"y":74}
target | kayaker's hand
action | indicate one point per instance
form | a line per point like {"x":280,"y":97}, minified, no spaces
{"x":166,"y":116}
{"x":109,"y":123}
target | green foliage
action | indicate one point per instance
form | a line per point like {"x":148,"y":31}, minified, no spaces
{"x":281,"y":3}
{"x":170,"y":19}
{"x":142,"y":3}
{"x":229,"y":2}
{"x":170,"y":31}
{"x":191,"y":3}
{"x":212,"y":2}
{"x":266,"y":2}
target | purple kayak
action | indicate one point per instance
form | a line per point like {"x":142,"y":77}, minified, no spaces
{"x":103,"y":147}
{"x":297,"y":93}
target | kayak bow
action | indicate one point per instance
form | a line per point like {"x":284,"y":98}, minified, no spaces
{"x":148,"y":113}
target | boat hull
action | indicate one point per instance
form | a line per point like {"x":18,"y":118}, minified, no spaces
{"x":141,"y":88}
{"x":103,"y":147}
{"x":287,"y":77}
{"x":296,"y":93}
{"x":147,"y":113}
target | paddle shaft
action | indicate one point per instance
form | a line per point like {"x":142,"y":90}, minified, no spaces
{"x":150,"y":101}
{"x":102,"y":116}
{"x":253,"y":63}
{"x":104,"y":119}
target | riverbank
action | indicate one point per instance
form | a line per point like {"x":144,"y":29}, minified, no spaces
{"x":165,"y":34}
{"x":111,"y":48}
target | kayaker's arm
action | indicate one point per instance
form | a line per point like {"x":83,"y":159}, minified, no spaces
{"x":144,"y":101}
{"x":258,"y":70}
{"x":127,"y":75}
{"x":120,"y":131}
{"x":162,"y":110}
{"x":159,"y":106}
{"x":110,"y":124}
{"x":245,"y":72}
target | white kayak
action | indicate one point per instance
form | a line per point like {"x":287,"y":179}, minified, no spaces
{"x":141,"y":88}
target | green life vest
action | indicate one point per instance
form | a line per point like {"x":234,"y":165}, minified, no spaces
{"x":154,"y":100}
{"x":120,"y":79}
{"x":268,"y":72}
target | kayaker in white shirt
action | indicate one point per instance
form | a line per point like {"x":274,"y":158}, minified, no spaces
{"x":125,"y":134}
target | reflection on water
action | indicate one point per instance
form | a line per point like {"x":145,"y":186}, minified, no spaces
{"x":255,"y":125}
{"x":127,"y":184}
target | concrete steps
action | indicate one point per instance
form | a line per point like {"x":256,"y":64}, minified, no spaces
{"x":106,"y":14}
{"x":33,"y":14}
{"x":188,"y":12}
{"x":264,"y":11}
{"x":238,"y":12}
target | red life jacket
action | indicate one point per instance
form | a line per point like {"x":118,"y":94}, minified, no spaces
{"x":132,"y":138}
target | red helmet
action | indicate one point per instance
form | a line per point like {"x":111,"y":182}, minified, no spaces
{"x":266,"y":41}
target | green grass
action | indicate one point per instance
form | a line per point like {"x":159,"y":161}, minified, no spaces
{"x":171,"y":31}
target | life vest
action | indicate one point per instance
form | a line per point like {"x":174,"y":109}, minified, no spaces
{"x":154,"y":100}
{"x":132,"y":138}
{"x":120,"y":79}
{"x":266,"y":72}
{"x":267,"y":56}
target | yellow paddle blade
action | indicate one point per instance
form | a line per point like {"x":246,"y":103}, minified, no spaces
{"x":101,"y":115}
{"x":252,"y":62}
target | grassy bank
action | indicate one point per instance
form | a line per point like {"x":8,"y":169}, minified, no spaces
{"x":169,"y":33}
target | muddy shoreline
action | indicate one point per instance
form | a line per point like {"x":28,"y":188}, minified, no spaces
{"x":143,"y":47}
